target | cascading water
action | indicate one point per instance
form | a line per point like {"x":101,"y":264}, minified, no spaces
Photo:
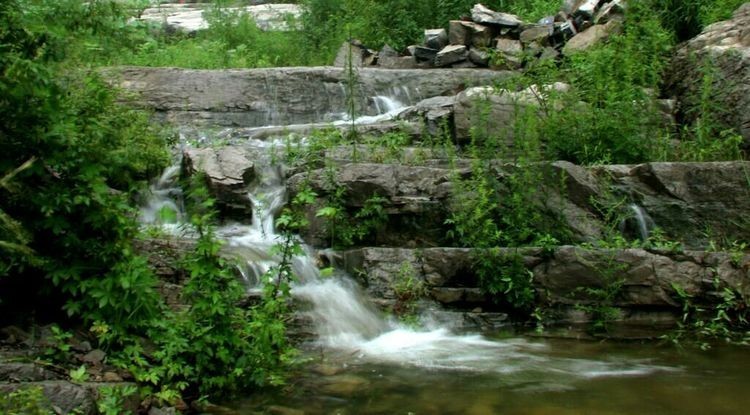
{"x":643,"y":221}
{"x":164,"y":207}
{"x":346,"y":322}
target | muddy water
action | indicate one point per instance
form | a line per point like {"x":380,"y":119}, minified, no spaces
{"x":557,"y":377}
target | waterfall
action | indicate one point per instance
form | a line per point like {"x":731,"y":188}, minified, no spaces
{"x":163,"y":207}
{"x":348,"y":325}
{"x":643,"y":221}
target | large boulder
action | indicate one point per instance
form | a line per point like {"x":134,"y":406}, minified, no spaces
{"x":487,"y":111}
{"x":415,"y":200}
{"x":482,"y":14}
{"x":591,"y":37}
{"x":695,"y":203}
{"x":722,"y":49}
{"x":355,"y":53}
{"x":451,"y":54}
{"x":229,"y":171}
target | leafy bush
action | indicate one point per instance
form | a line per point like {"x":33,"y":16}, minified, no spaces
{"x":88,"y":153}
{"x":686,"y":18}
{"x":26,"y":401}
{"x":505,"y":277}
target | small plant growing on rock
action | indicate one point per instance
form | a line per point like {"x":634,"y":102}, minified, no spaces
{"x":724,"y":320}
{"x":408,"y":288}
{"x":601,"y":300}
{"x":504,"y":276}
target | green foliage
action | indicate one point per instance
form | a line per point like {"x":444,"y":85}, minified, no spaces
{"x":58,"y":344}
{"x":704,"y":137}
{"x":406,"y":19}
{"x":686,"y":18}
{"x":600,"y":300}
{"x":111,"y":399}
{"x":232,"y":40}
{"x":15,"y":240}
{"x":79,"y":375}
{"x":25,"y":401}
{"x":504,"y":276}
{"x":725,"y":319}
{"x":609,"y":114}
{"x":215,"y":347}
{"x":91,"y":153}
{"x":503,"y":205}
{"x":409,"y":289}
{"x":347,"y":228}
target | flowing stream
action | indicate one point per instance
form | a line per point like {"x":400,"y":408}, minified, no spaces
{"x":352,"y":334}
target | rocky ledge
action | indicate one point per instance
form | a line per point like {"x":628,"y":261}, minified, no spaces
{"x":693,"y":203}
{"x":282,"y":96}
{"x":651,"y":286}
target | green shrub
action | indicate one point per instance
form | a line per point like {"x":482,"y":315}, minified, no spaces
{"x":90,"y":153}
{"x":26,"y":401}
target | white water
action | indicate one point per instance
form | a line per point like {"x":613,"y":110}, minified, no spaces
{"x":643,"y":221}
{"x":347,"y":324}
{"x":164,"y":206}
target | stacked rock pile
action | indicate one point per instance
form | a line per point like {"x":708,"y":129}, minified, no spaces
{"x":500,"y":40}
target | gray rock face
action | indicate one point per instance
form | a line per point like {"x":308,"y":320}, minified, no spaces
{"x":451,"y":54}
{"x":473,"y":34}
{"x":683,"y":199}
{"x":490,"y":112}
{"x":591,"y":36}
{"x":25,"y":372}
{"x":585,"y":8}
{"x":189,"y":17}
{"x":647,"y":296}
{"x":510,"y":53}
{"x":413,"y":194}
{"x":481,"y":14}
{"x":66,"y":397}
{"x":479,"y":57}
{"x":726,"y":46}
{"x":609,"y":11}
{"x":693,"y":202}
{"x":539,"y":33}
{"x":436,"y":38}
{"x":280,"y":96}
{"x":355,"y":52}
{"x":229,"y":171}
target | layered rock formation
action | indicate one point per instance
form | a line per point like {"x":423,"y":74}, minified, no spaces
{"x":693,"y":203}
{"x":281,"y":96}
{"x":652,"y":286}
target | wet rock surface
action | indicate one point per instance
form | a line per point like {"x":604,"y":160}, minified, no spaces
{"x":228,"y":172}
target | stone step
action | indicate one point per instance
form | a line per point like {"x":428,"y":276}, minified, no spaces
{"x":564,"y":278}
{"x":282,"y":96}
{"x":693,"y":203}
